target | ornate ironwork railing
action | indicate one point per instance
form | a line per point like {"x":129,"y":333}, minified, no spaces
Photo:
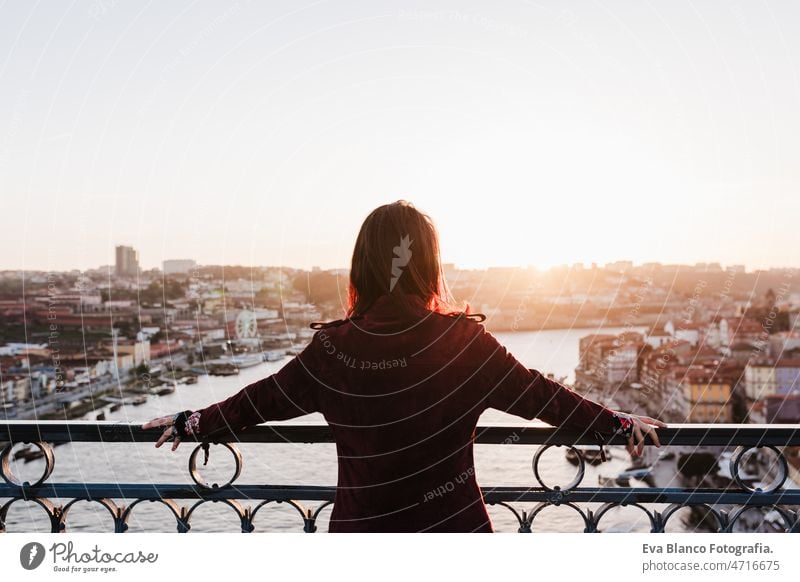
{"x":745,"y":494}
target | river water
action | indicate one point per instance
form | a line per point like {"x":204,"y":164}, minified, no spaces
{"x":553,"y":351}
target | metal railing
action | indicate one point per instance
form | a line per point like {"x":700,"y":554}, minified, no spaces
{"x":309,"y":501}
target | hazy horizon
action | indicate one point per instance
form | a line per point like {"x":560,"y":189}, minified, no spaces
{"x":110,"y":265}
{"x":249,"y":134}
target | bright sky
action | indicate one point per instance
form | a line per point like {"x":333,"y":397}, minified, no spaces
{"x":534,"y":133}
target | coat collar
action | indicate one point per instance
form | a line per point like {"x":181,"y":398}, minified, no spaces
{"x":388,"y":308}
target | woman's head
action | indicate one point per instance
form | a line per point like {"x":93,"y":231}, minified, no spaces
{"x":397,"y":253}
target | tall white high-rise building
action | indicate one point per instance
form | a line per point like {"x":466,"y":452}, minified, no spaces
{"x":127,"y":261}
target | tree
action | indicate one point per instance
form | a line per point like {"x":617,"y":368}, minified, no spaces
{"x":140,"y":370}
{"x":320,"y":287}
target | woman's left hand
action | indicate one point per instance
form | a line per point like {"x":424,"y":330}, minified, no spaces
{"x":169,"y":423}
{"x":642,"y":425}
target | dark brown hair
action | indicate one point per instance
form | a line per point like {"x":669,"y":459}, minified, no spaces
{"x":397,"y":253}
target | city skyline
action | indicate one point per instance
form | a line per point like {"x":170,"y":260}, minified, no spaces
{"x":169,"y":266}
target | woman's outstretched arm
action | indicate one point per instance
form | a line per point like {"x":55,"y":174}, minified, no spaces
{"x":513,"y":388}
{"x":289,"y":393}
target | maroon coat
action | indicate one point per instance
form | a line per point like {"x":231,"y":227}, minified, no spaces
{"x":403,"y":401}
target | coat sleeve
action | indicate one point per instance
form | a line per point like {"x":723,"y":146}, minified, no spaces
{"x":510,"y":387}
{"x":289,"y":393}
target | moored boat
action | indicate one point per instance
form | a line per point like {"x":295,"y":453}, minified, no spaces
{"x":163,"y":389}
{"x":274,"y":355}
{"x":222,"y":369}
{"x":590,"y":453}
{"x":244,"y":360}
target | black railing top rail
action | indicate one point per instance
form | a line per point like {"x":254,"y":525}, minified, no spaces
{"x":53,"y":431}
